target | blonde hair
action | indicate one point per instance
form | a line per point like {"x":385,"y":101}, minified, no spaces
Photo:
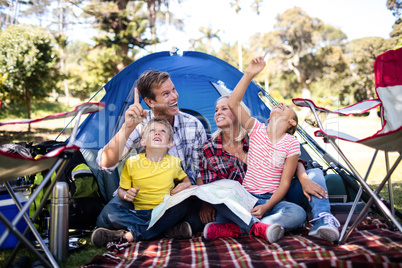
{"x":159,"y":120}
{"x":242,"y":132}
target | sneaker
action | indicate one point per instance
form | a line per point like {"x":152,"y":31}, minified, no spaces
{"x":217,"y":230}
{"x":180,"y":231}
{"x":325,"y":227}
{"x":101,"y":236}
{"x":270,"y":232}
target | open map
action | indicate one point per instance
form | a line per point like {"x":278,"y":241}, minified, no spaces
{"x":227,"y":192}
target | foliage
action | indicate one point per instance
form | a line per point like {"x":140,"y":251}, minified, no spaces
{"x":209,"y":35}
{"x":396,"y":7}
{"x":303,"y":45}
{"x":362,"y":54}
{"x":123,"y":26}
{"x":28,"y":61}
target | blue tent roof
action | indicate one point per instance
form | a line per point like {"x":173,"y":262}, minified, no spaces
{"x":199,"y":79}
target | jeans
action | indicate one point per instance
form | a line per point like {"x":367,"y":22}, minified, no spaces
{"x":296,"y":195}
{"x":289,"y":215}
{"x":120,"y":214}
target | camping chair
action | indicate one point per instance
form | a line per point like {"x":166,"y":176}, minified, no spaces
{"x":388,"y":85}
{"x":13,"y":166}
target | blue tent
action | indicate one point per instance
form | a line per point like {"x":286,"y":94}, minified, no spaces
{"x":199,"y":79}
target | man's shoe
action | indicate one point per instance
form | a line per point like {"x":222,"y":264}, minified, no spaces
{"x":101,"y":236}
{"x":270,"y":232}
{"x":217,"y":230}
{"x":180,"y":231}
{"x":325,"y":227}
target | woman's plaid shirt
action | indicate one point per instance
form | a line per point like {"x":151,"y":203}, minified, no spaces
{"x":217,"y":164}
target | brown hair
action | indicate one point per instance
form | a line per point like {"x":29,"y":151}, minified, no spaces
{"x":148,"y":81}
{"x":159,"y":120}
{"x":292,"y":129}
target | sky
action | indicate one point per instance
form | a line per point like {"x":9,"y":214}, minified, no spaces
{"x":356,"y":18}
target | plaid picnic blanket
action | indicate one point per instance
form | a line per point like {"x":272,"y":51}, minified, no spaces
{"x":371,"y":244}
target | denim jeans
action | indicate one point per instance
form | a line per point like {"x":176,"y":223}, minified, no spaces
{"x":316,"y":205}
{"x":289,"y":215}
{"x":120,"y":214}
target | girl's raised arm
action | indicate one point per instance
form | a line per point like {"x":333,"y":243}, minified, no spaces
{"x":254,"y":68}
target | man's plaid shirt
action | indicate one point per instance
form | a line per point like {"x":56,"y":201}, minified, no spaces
{"x":217,"y":164}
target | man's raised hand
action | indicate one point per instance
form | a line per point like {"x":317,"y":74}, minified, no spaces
{"x":134,"y":114}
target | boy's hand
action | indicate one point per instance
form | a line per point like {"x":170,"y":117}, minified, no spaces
{"x":258,"y":211}
{"x":180,"y":187}
{"x":134,"y":114}
{"x":256,"y":65}
{"x":131,"y":194}
{"x":207,"y":213}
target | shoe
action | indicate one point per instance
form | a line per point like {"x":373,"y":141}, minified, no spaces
{"x":270,"y":232}
{"x":101,"y":236}
{"x":217,"y":230}
{"x":180,"y":231}
{"x":325,"y":227}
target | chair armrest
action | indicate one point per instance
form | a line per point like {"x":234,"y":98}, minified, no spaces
{"x":85,"y":108}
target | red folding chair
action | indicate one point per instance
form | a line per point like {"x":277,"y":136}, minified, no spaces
{"x":388,"y":84}
{"x":13,"y":166}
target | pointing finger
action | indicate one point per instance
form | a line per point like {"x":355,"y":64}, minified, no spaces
{"x":136,"y":97}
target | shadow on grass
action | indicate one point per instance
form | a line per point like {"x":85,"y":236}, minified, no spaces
{"x":37,"y":135}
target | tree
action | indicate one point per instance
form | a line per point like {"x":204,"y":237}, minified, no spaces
{"x":208,"y":34}
{"x":297,"y":44}
{"x":123,"y":25}
{"x":28,"y":61}
{"x":361,"y":55}
{"x":396,"y":7}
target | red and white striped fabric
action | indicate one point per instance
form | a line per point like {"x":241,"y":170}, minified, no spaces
{"x":388,"y":84}
{"x":265,"y":161}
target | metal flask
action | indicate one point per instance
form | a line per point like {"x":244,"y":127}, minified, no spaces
{"x":58,"y":239}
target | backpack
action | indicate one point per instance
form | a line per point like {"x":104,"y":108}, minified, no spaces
{"x":85,"y":201}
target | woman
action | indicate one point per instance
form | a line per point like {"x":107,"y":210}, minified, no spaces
{"x":225,"y":157}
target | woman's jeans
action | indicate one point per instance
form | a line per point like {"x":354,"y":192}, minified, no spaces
{"x":289,"y":215}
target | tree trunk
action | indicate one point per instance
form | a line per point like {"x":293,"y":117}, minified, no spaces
{"x":28,"y":103}
{"x":152,"y":19}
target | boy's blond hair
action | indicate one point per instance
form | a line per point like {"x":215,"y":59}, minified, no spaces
{"x":159,"y":120}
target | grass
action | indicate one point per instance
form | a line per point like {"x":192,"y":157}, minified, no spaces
{"x":359,"y":155}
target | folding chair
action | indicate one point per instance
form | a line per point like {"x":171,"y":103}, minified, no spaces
{"x":13,"y":166}
{"x":388,"y":85}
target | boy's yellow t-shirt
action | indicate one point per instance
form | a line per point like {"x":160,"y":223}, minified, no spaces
{"x":155,"y":179}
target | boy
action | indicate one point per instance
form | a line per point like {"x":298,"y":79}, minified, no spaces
{"x":145,"y":180}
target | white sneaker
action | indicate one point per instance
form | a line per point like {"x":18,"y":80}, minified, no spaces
{"x":325,"y":227}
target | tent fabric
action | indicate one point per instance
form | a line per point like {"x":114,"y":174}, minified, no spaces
{"x":199,"y":79}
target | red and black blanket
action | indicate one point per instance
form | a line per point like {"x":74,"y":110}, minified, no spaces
{"x":371,"y":244}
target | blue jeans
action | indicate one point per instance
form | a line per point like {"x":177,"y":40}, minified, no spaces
{"x":289,"y":215}
{"x":120,"y":214}
{"x":295,"y":193}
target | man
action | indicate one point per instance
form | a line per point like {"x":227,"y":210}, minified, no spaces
{"x":160,"y":95}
